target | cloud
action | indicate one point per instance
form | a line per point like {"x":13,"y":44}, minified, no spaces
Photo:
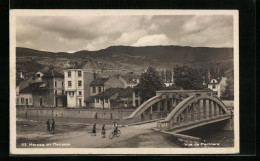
{"x":130,"y":37}
{"x":151,"y":40}
{"x":73,"y":33}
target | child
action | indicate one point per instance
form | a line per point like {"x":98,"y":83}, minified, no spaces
{"x":94,"y":130}
{"x":103,"y":132}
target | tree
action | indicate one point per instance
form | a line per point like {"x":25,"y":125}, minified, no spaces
{"x":163,"y":76}
{"x":188,"y":78}
{"x":150,"y":82}
{"x":229,"y":91}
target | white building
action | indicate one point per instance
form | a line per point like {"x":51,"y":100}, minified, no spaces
{"x":218,"y":87}
{"x":74,"y":87}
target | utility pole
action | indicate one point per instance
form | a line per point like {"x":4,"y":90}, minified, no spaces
{"x":103,"y":97}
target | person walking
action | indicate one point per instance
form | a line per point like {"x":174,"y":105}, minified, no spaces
{"x":103,"y":132}
{"x":53,"y":125}
{"x":94,"y":130}
{"x":48,"y":125}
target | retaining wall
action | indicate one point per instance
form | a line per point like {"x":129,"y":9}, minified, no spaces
{"x":75,"y":113}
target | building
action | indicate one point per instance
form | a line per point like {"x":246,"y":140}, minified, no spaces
{"x":48,"y":89}
{"x":129,"y":79}
{"x":24,"y":98}
{"x":125,"y":98}
{"x":97,"y":86}
{"x":74,"y":87}
{"x":136,"y":96}
{"x":168,"y":83}
{"x":89,"y":77}
{"x":107,"y":99}
{"x":218,"y":88}
{"x":23,"y":93}
{"x":101,"y":84}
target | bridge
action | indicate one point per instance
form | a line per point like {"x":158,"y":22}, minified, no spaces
{"x":180,"y":110}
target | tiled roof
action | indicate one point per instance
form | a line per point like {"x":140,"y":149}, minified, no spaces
{"x":75,"y":67}
{"x":26,"y":90}
{"x":18,"y":80}
{"x":127,"y":92}
{"x":107,"y":93}
{"x":98,"y":82}
{"x":52,"y":73}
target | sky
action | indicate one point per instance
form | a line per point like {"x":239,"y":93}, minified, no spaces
{"x":75,"y":33}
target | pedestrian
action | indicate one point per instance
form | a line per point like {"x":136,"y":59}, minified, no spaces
{"x":53,"y":125}
{"x":48,"y":125}
{"x":94,"y":130}
{"x":103,"y":132}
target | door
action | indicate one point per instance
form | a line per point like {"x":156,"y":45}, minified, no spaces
{"x":26,"y":101}
{"x":56,"y":102}
{"x":40,"y":101}
{"x":80,"y":104}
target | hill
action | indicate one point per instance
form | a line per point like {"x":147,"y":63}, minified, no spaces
{"x":164,"y":54}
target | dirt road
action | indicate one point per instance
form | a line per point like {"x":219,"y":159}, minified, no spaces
{"x":132,"y":134}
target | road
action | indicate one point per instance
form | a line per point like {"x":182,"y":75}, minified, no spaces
{"x":135,"y":135}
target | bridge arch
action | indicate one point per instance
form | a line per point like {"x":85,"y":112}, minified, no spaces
{"x":158,"y":106}
{"x":195,"y":111}
{"x":178,"y":107}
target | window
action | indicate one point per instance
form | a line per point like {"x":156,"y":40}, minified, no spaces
{"x":71,"y":94}
{"x":55,"y":83}
{"x":99,"y":89}
{"x":79,"y":83}
{"x":136,"y":93}
{"x":94,"y":89}
{"x":69,"y":83}
{"x":106,"y":100}
{"x":136,"y":103}
{"x":214,"y":86}
{"x":69,"y":74}
{"x":98,"y":100}
{"x":62,"y":84}
{"x":79,"y":74}
{"x":79,"y":93}
{"x":55,"y":92}
{"x":38,"y":75}
{"x":17,"y":100}
{"x":22,"y":100}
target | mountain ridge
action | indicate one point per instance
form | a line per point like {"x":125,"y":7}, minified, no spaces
{"x":165,"y":54}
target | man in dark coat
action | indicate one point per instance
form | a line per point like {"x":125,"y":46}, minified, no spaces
{"x":48,"y":125}
{"x":53,"y":125}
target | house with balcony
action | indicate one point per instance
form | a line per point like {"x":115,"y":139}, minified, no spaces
{"x":74,"y":87}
